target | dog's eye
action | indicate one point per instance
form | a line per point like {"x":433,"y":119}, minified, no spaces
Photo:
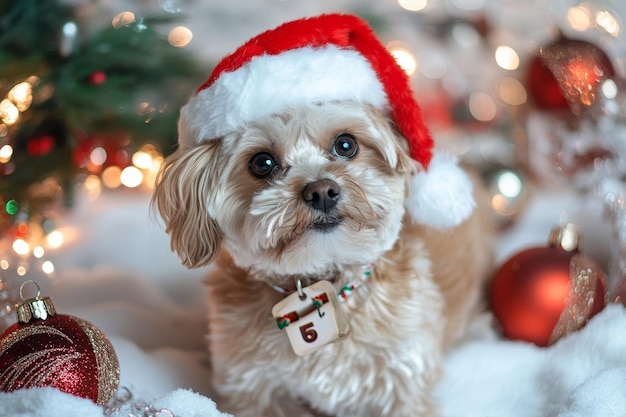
{"x":262,"y":165}
{"x":345,"y":146}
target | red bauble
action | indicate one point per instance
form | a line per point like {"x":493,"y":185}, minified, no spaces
{"x":542,"y":294}
{"x":97,"y":77}
{"x":40,"y":145}
{"x":46,"y":349}
{"x":567,"y":75}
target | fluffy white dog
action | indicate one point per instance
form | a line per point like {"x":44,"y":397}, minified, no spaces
{"x":321,"y":212}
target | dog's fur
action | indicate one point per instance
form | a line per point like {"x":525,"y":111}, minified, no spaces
{"x":425,"y":285}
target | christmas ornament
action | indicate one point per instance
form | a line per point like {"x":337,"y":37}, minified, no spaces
{"x":567,"y":75}
{"x":49,"y":349}
{"x":40,"y":145}
{"x":97,"y":78}
{"x":542,"y":294}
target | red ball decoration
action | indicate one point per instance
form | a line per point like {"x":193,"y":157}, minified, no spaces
{"x":40,"y":145}
{"x":97,"y":77}
{"x":567,"y":74}
{"x":541,"y":294}
{"x":45,"y":349}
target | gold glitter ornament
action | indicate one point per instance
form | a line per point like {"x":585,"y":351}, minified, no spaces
{"x":46,"y":349}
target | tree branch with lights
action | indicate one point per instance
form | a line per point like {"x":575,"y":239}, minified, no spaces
{"x":97,"y":109}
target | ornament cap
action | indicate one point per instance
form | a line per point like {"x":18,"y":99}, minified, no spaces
{"x":37,"y":308}
{"x":565,"y":237}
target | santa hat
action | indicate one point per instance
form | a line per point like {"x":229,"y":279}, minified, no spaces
{"x":326,"y":58}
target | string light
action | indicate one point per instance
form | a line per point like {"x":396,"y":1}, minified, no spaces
{"x":5,"y":153}
{"x":405,"y":59}
{"x":511,"y":91}
{"x":507,"y":58}
{"x":11,"y":207}
{"x":608,"y":22}
{"x":142,"y":160}
{"x":609,"y":89}
{"x":98,"y":156}
{"x":21,"y":95}
{"x":47,"y":267}
{"x":123,"y":19}
{"x":55,"y":239}
{"x":22,"y":270}
{"x":9,"y":113}
{"x":179,"y":36}
{"x":579,"y":18}
{"x":583,"y":17}
{"x":111,"y":177}
{"x":21,"y":247}
{"x":482,"y":107}
{"x":131,"y":177}
{"x":93,"y":185}
{"x":18,"y":99}
{"x":38,"y":251}
{"x":413,"y":5}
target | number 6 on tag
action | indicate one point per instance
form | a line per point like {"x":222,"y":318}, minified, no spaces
{"x":314,"y":321}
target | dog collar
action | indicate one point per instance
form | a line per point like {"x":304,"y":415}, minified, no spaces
{"x":342,"y":294}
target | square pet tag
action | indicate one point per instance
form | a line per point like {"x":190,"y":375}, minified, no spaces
{"x":312,"y":321}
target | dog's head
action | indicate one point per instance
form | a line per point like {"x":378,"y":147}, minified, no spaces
{"x":304,"y":191}
{"x":297,"y":151}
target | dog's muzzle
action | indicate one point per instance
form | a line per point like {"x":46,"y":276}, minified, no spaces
{"x":322,"y":196}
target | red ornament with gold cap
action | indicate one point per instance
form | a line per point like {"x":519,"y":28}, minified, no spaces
{"x":46,"y":349}
{"x":542,"y":294}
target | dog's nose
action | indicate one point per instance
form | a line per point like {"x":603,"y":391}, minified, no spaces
{"x":322,"y":194}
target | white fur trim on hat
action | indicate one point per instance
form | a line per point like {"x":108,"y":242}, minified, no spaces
{"x":441,"y":197}
{"x":271,"y":83}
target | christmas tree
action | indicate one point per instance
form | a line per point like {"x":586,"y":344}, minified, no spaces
{"x":81,"y":104}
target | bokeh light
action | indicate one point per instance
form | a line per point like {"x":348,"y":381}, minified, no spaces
{"x":511,"y":91}
{"x":6,"y":152}
{"x":482,"y":107}
{"x":579,"y":18}
{"x":405,"y":59}
{"x":123,"y":19}
{"x":413,"y":5}
{"x":131,"y":177}
{"x":507,"y":58}
{"x":111,"y":177}
{"x":55,"y":239}
{"x":608,"y":22}
{"x":179,"y":36}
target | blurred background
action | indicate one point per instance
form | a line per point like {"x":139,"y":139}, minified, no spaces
{"x":531,"y":93}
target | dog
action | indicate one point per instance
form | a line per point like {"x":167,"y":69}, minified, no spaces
{"x":316,"y":193}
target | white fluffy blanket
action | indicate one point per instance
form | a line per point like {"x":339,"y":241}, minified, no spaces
{"x":116,"y":271}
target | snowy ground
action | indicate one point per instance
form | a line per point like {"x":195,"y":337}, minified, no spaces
{"x":116,"y":270}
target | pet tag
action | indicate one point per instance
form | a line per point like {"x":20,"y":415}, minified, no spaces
{"x":312,"y":317}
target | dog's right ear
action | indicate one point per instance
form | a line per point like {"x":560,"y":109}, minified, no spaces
{"x":180,"y":195}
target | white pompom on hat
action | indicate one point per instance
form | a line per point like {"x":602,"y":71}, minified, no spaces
{"x":327,"y":58}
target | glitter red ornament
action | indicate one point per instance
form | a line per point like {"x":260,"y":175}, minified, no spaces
{"x":567,"y":74}
{"x":46,"y":349}
{"x":541,"y":294}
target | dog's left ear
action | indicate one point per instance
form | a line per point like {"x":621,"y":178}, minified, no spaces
{"x":181,"y":194}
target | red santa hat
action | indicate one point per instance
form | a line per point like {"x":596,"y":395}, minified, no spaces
{"x":327,"y":58}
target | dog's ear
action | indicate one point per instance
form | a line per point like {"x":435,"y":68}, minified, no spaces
{"x":180,"y":196}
